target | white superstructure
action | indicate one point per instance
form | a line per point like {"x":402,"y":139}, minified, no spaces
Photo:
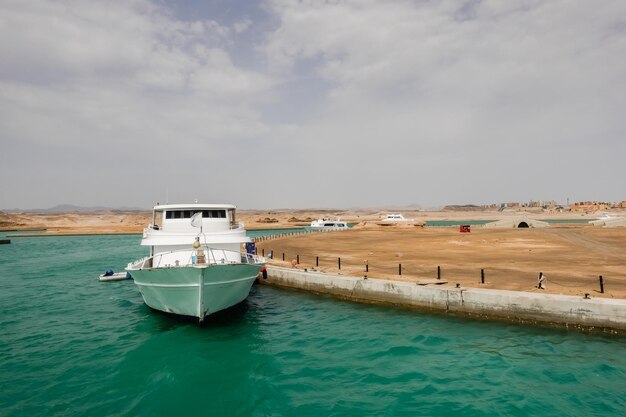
{"x":396,"y":218}
{"x":176,"y":226}
{"x":327,"y":224}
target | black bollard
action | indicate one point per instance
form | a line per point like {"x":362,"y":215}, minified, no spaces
{"x":298,"y":259}
{"x":339,"y":263}
{"x":283,"y":256}
{"x":601,"y":285}
{"x":367,"y":267}
{"x":482,"y":276}
{"x":438,"y":272}
{"x":399,"y":269}
{"x":317,"y":261}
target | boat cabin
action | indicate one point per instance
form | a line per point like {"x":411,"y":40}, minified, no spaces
{"x":327,"y":224}
{"x":394,"y":217}
{"x":190,"y":217}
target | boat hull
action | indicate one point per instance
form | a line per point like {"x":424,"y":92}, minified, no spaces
{"x":195,"y":291}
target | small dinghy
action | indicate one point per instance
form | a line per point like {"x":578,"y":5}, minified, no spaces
{"x":109,"y":275}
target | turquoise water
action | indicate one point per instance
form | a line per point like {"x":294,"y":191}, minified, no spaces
{"x":445,"y":223}
{"x":272,"y":232}
{"x":73,"y":346}
{"x":289,"y":230}
{"x":564,"y":221}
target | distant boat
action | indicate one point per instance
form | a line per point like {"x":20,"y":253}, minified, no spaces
{"x":196,"y":266}
{"x":399,"y":220}
{"x":396,"y":218}
{"x":328,"y":225}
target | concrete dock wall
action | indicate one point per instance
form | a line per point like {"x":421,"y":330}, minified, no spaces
{"x":512,"y":305}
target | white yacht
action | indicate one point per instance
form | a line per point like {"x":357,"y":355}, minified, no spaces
{"x":196,"y":266}
{"x":327,"y":225}
{"x":396,"y":218}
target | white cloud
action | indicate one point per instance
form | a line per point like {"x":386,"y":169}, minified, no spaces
{"x":83,"y":66}
{"x":242,"y":25}
{"x":540,"y":60}
{"x":384,"y":93}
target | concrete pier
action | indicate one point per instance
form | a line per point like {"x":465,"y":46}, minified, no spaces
{"x":510,"y":305}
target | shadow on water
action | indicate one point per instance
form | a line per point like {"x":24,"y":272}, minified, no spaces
{"x":230,"y":317}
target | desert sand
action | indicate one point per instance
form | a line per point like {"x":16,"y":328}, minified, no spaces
{"x":572,"y":256}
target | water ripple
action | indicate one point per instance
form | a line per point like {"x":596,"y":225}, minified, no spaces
{"x":71,"y":345}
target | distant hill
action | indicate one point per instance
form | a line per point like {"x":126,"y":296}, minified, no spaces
{"x":409,"y":207}
{"x":70,"y":208}
{"x":464,"y":207}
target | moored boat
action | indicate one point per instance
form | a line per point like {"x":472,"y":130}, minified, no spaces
{"x":399,"y":220}
{"x":109,"y":275}
{"x":196,"y":266}
{"x":327,"y":225}
{"x":396,"y":218}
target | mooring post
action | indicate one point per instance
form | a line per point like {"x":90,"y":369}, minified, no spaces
{"x":399,"y":269}
{"x":482,"y":276}
{"x":283,"y":256}
{"x":367,"y":266}
{"x":601,"y":285}
{"x":438,"y":272}
{"x":317,"y":261}
{"x":339,"y":262}
{"x":298,"y":259}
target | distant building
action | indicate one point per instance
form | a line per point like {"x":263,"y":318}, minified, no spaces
{"x":550,"y":204}
{"x":589,"y":206}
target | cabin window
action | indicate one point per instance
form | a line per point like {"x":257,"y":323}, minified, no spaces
{"x":187,"y":214}
{"x":213,"y":214}
{"x":177,"y":214}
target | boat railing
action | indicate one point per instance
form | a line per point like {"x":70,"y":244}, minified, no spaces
{"x":151,"y":227}
{"x":203,"y":256}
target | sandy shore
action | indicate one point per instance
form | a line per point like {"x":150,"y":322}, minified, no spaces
{"x":134,"y":222}
{"x":572,"y":256}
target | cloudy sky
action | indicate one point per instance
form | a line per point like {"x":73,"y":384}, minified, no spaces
{"x":296,"y":104}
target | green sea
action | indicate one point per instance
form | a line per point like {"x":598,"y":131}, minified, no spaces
{"x":73,"y":346}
